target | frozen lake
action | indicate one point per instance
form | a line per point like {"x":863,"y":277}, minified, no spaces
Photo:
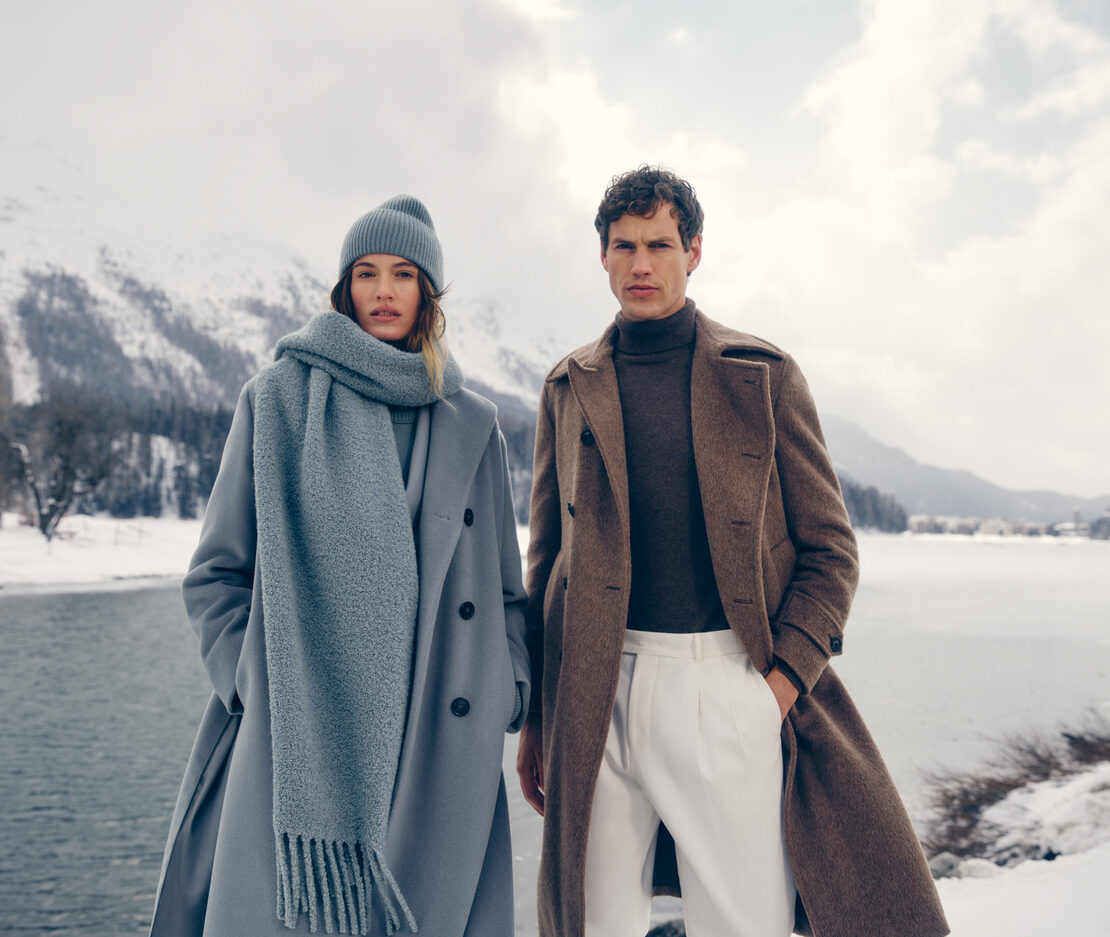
{"x":952,"y":644}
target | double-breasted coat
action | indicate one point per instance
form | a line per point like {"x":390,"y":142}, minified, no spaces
{"x":784,"y":558}
{"x":448,"y":834}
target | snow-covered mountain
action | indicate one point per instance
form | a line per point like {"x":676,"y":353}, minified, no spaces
{"x":122,"y":319}
{"x":129,"y":320}
{"x":927,"y":489}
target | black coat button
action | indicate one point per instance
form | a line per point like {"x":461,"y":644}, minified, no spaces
{"x":466,"y":611}
{"x":570,"y":509}
{"x":835,"y":645}
{"x":564,"y":582}
{"x":587,"y":438}
{"x":468,"y":517}
{"x":460,"y":707}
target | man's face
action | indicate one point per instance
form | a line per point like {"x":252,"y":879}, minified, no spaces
{"x":647,"y":264}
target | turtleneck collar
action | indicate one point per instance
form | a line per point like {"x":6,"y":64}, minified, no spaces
{"x":651,"y":336}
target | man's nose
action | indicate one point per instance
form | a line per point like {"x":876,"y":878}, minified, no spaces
{"x":641,"y":261}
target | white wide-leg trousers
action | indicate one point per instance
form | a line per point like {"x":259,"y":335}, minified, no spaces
{"x":694,"y":741}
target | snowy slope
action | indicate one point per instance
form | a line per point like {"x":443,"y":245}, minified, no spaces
{"x":87,"y":305}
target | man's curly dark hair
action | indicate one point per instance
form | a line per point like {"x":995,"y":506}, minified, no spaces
{"x":640,"y":192}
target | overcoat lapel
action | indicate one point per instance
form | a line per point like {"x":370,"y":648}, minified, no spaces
{"x":734,"y":443}
{"x":458,"y":437}
{"x":594,"y":384}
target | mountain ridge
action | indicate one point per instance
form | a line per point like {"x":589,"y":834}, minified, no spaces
{"x":134,"y":322}
{"x":928,"y":489}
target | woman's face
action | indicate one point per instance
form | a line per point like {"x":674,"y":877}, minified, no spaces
{"x":385,"y":291}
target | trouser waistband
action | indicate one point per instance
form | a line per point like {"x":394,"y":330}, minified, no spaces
{"x":695,"y":646}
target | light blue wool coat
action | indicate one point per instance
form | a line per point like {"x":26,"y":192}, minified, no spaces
{"x":448,"y":834}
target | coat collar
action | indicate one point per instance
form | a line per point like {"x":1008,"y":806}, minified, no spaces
{"x":594,"y":384}
{"x":711,"y":339}
{"x":723,"y":375}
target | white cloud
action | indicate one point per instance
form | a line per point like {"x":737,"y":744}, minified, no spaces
{"x":1039,"y":169}
{"x":1084,"y":91}
{"x":968,"y":351}
{"x":541,"y":11}
{"x":922,"y":226}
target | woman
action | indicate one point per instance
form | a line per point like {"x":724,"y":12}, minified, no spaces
{"x":358,"y":598}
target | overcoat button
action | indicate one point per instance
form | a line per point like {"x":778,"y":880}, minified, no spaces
{"x":468,"y":517}
{"x":570,"y":509}
{"x":835,"y":645}
{"x":460,"y":707}
{"x":466,"y":611}
{"x":587,"y":438}
{"x":564,"y":582}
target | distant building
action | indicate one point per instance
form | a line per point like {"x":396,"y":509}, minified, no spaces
{"x":1070,"y":529}
{"x":984,"y":526}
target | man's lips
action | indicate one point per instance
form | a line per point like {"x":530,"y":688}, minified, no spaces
{"x":642,"y":289}
{"x":385,"y":313}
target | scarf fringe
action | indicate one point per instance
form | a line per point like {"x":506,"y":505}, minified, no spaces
{"x":336,"y":882}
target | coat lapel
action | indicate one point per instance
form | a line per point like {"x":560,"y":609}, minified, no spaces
{"x":734,"y":444}
{"x":593,"y":380}
{"x":458,"y":437}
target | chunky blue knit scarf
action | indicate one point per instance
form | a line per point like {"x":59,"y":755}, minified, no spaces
{"x":339,"y":595}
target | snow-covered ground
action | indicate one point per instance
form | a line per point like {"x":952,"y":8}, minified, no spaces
{"x":94,"y":551}
{"x":1067,"y":896}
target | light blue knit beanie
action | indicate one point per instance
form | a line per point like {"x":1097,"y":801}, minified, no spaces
{"x":402,"y":226}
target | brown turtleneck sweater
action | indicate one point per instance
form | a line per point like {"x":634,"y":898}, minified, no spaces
{"x":673,"y":587}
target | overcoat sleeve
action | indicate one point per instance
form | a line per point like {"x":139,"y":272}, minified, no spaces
{"x":512,"y":589}
{"x":219,"y":586}
{"x":545,"y":538}
{"x":809,"y":626}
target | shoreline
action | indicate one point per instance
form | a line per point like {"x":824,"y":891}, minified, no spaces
{"x":99,"y":553}
{"x":95,"y":553}
{"x":118,"y":584}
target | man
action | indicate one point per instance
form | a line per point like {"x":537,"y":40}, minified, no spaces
{"x":690,"y":573}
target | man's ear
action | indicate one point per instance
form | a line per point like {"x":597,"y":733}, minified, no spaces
{"x":695,"y":254}
{"x":604,"y":259}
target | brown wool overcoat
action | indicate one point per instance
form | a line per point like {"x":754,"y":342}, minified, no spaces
{"x":785,"y":562}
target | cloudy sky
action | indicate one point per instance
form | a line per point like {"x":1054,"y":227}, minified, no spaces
{"x":911,"y":196}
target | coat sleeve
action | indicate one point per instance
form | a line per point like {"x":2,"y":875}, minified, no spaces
{"x":512,"y":588}
{"x":545,"y":538}
{"x":218,"y":589}
{"x":809,"y":626}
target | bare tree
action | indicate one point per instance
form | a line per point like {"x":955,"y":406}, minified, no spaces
{"x":66,"y":447}
{"x":9,"y":472}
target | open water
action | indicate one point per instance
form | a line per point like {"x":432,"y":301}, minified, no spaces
{"x":952,"y":644}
